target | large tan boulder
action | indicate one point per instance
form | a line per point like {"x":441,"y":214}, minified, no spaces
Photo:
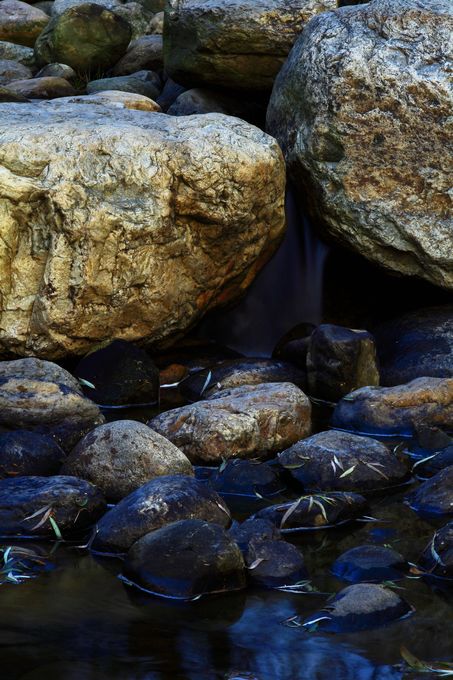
{"x":127,"y":224}
{"x":363,"y":109}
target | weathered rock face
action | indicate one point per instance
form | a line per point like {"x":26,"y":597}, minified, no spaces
{"x":136,"y":223}
{"x":20,"y":22}
{"x":397,"y":410}
{"x":244,"y":422}
{"x":364,"y":78}
{"x":240,"y":44}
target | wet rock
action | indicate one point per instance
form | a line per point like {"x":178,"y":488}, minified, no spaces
{"x":437,"y":558}
{"x":117,"y":100}
{"x":169,"y":94}
{"x":159,"y":502}
{"x":243,"y":422}
{"x":19,"y":53}
{"x":359,"y":607}
{"x":20,"y":22}
{"x":435,"y":496}
{"x":397,"y":410}
{"x":371,"y":563}
{"x":120,"y":457}
{"x":32,"y":368}
{"x":275,"y":564}
{"x":380,"y":97}
{"x":316,"y":511}
{"x":240,"y":45}
{"x":142,"y":82}
{"x":433,"y":463}
{"x":144,"y":53}
{"x":236,"y":373}
{"x":121,"y":373}
{"x":60,"y":6}
{"x":29,"y":453}
{"x":28,"y":504}
{"x":13,"y":70}
{"x":247,"y":478}
{"x":112,"y":277}
{"x":57,"y":71}
{"x":138,"y":18}
{"x":253,"y":532}
{"x":339,"y":360}
{"x":343,"y":461}
{"x":87,"y":37}
{"x":186,"y":559}
{"x":293,"y":346}
{"x":42,"y":88}
{"x":416,"y":345}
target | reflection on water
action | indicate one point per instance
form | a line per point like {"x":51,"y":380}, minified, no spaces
{"x":80,"y":622}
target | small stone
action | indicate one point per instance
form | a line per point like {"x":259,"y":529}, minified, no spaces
{"x":293,"y":346}
{"x":371,"y":563}
{"x":434,"y":497}
{"x":57,"y":71}
{"x":117,"y":100}
{"x":146,"y":83}
{"x":253,"y":532}
{"x":275,"y":564}
{"x":42,"y":88}
{"x":13,"y":70}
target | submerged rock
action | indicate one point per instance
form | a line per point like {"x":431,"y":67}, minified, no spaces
{"x":185,"y":560}
{"x":339,"y":360}
{"x":372,"y":85}
{"x":247,"y":478}
{"x":435,"y":496}
{"x":315,"y":511}
{"x":275,"y":564}
{"x":20,"y":22}
{"x":120,"y":457}
{"x":252,"y":532}
{"x":437,"y":558}
{"x":372,"y":563}
{"x":397,"y":410}
{"x":154,"y":247}
{"x":159,"y":502}
{"x":243,"y":422}
{"x":343,"y":461}
{"x":359,"y":607}
{"x":240,"y":45}
{"x":47,"y":506}
{"x":29,"y":453}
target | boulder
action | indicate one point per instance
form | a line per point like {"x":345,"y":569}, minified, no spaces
{"x":7,"y":95}
{"x":275,"y":564}
{"x":138,"y":18}
{"x":293,"y":345}
{"x":169,"y":94}
{"x":397,"y":410}
{"x":186,"y":559}
{"x":42,"y":88}
{"x":117,"y":100}
{"x":19,"y":53}
{"x":87,"y":37}
{"x":60,"y":6}
{"x":20,"y":22}
{"x":371,"y":563}
{"x":32,"y":368}
{"x":200,"y":100}
{"x":121,"y":246}
{"x":48,"y":506}
{"x":142,"y":82}
{"x":29,"y":453}
{"x":253,"y":532}
{"x":120,"y":457}
{"x":342,"y":461}
{"x":13,"y":70}
{"x":363,"y":77}
{"x":437,"y":558}
{"x":240,"y":45}
{"x":432,"y":463}
{"x":434,"y":497}
{"x":243,"y":422}
{"x":161,"y":501}
{"x":56,"y":71}
{"x":144,"y":53}
{"x":339,"y":360}
{"x":247,"y":478}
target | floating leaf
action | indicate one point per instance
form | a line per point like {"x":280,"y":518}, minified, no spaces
{"x":86,"y":383}
{"x":56,"y":528}
{"x":206,"y":383}
{"x":256,"y":563}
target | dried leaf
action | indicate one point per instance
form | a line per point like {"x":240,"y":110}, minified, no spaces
{"x":290,"y":511}
{"x":349,"y":471}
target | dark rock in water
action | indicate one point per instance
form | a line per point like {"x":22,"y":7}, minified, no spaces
{"x":142,"y":82}
{"x":87,"y":37}
{"x":434,"y":463}
{"x":397,"y":410}
{"x":293,"y":346}
{"x":236,"y":373}
{"x":371,"y":563}
{"x":186,"y":559}
{"x":317,"y":511}
{"x":243,"y":422}
{"x":121,"y":374}
{"x":437,"y":558}
{"x":169,"y":94}
{"x":359,"y":607}
{"x":416,"y":345}
{"x":159,"y":502}
{"x":275,"y":564}
{"x":196,"y":354}
{"x":340,"y":360}
{"x":28,"y":453}
{"x":44,"y":506}
{"x":252,"y":532}
{"x":435,"y":496}
{"x":247,"y":478}
{"x":120,"y":457}
{"x":343,"y":461}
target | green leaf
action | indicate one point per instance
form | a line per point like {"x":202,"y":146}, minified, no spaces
{"x":56,"y":528}
{"x":412,"y":660}
{"x":86,"y":383}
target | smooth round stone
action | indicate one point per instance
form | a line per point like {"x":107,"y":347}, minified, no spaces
{"x":7,"y":95}
{"x":142,"y":53}
{"x":18,"y":53}
{"x":275,"y":564}
{"x":146,"y":83}
{"x":56,"y":71}
{"x":159,"y":502}
{"x":39,"y":369}
{"x":254,"y":531}
{"x":121,"y":456}
{"x":317,"y":511}
{"x":117,"y":100}
{"x":247,"y":478}
{"x":28,"y":503}
{"x":343,"y":461}
{"x":369,"y":563}
{"x":28,"y":453}
{"x":434,"y":497}
{"x":437,"y":558}
{"x":42,"y":88}
{"x":362,"y":606}
{"x":186,"y":559}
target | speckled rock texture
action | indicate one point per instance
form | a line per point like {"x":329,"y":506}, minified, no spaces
{"x":127,"y":224}
{"x":239,"y":44}
{"x":362,"y":109}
